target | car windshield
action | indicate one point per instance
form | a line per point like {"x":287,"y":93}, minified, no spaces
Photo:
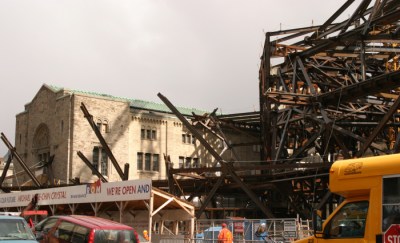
{"x":15,"y":229}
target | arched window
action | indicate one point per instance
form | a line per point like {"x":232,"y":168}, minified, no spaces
{"x":106,"y":126}
{"x":41,"y":143}
{"x":99,"y":124}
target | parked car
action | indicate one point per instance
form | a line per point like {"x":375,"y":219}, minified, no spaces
{"x":15,"y":229}
{"x":83,"y":229}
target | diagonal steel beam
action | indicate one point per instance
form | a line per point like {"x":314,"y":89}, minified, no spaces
{"x":378,"y":128}
{"x":89,"y":118}
{"x":305,"y":74}
{"x":5,"y":169}
{"x":284,"y":135}
{"x":90,"y":165}
{"x":210,"y":196}
{"x":226,"y":166}
{"x":327,"y":23}
{"x":19,"y":159}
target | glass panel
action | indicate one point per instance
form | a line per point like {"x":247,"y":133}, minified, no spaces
{"x":64,"y":231}
{"x":391,"y":202}
{"x":147,"y":161}
{"x":181,"y":162}
{"x":349,"y":221}
{"x":114,"y":236}
{"x":188,"y":163}
{"x":156,"y":162}
{"x":95,"y":159}
{"x":80,"y":234}
{"x":14,"y":230}
{"x":140,"y":161}
{"x":148,"y":132}
{"x":143,"y":134}
{"x":196,"y":163}
{"x":104,"y":163}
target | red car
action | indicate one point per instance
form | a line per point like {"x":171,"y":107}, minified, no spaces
{"x":83,"y":229}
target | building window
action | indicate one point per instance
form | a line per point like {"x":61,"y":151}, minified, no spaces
{"x":62,"y":126}
{"x":95,"y":161}
{"x":44,"y":157}
{"x":147,"y":161}
{"x":196,"y":163}
{"x":150,"y":134}
{"x":156,"y":164}
{"x":181,"y":159}
{"x":140,"y":161}
{"x":98,"y":125}
{"x":100,"y":160}
{"x":104,"y":163}
{"x":103,"y":126}
{"x":142,"y":133}
{"x":188,"y":162}
{"x":106,"y":127}
{"x":188,"y":139}
{"x":151,"y":162}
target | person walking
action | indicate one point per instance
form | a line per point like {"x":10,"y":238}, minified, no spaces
{"x":225,"y":235}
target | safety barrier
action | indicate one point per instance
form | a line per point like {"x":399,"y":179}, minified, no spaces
{"x":281,"y":230}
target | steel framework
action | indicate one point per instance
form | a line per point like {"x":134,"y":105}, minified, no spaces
{"x":334,"y":90}
{"x":326,"y":92}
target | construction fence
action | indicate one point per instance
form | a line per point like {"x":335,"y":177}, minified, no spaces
{"x":244,"y":230}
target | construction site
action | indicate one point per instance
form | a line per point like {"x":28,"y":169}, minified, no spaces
{"x":326,"y":93}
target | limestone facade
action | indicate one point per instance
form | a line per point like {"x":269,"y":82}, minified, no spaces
{"x":53,"y":124}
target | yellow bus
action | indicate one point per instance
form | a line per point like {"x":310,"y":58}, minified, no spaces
{"x":371,"y":191}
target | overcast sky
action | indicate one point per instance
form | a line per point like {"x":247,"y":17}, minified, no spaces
{"x":203,"y":54}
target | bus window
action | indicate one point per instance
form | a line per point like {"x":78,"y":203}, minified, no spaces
{"x":349,"y":221}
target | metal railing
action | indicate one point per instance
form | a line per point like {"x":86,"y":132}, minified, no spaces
{"x":244,"y":230}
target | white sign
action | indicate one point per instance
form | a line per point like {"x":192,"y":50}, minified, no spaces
{"x":289,"y":226}
{"x":89,"y":193}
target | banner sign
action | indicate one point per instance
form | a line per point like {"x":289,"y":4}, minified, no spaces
{"x":88,"y":193}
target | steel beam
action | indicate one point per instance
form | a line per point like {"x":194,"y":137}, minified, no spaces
{"x":89,"y":118}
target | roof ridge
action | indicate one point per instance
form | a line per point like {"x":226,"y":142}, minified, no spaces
{"x":134,"y":103}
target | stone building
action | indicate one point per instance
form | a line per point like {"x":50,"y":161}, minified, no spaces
{"x":138,"y":132}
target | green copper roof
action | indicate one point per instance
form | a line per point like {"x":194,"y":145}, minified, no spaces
{"x":135,"y":103}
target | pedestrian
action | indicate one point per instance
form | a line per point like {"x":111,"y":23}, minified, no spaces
{"x":225,"y":235}
{"x":261,"y":232}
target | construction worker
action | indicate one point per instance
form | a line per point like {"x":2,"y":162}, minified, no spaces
{"x":225,"y":235}
{"x":261,"y":232}
{"x":146,"y":235}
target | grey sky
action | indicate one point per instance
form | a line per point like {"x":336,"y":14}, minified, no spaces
{"x":203,"y":54}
